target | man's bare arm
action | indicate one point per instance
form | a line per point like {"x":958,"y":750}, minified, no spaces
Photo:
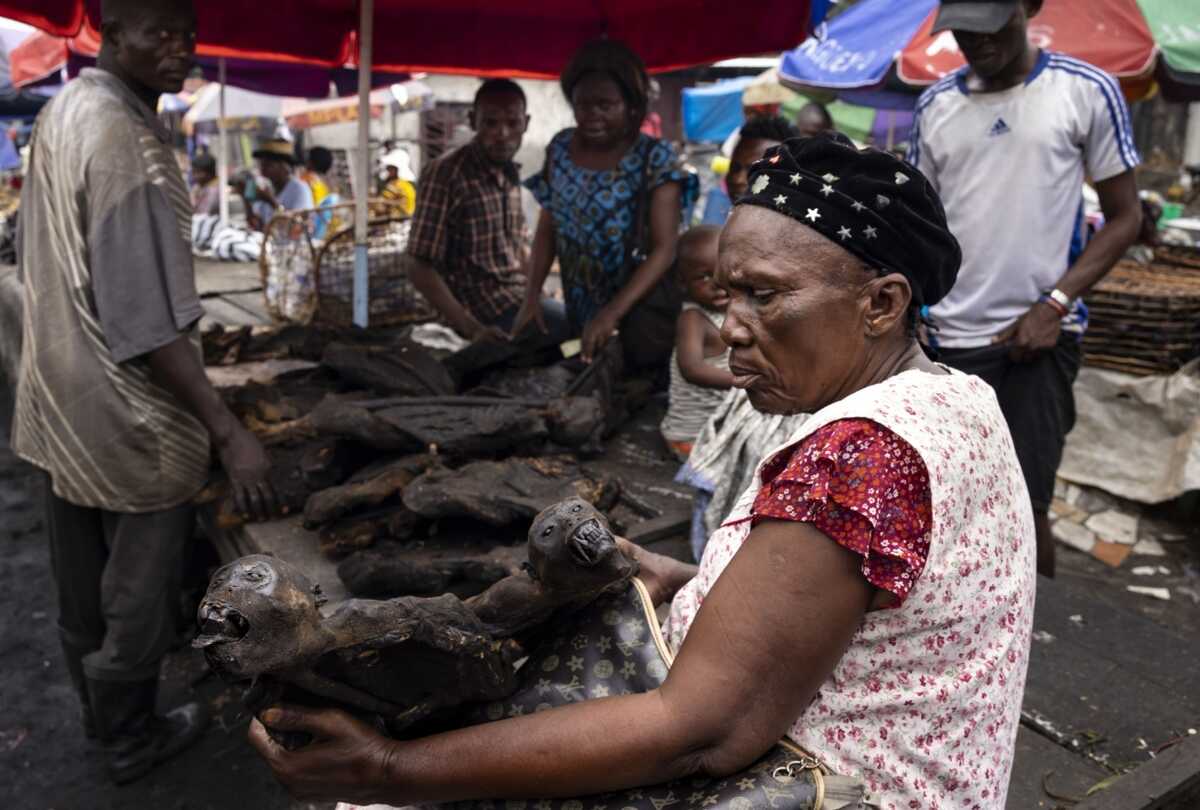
{"x":429,"y":283}
{"x":177,"y":368}
{"x":1122,"y":221}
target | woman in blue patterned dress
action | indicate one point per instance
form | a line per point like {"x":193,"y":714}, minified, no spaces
{"x":601,"y":179}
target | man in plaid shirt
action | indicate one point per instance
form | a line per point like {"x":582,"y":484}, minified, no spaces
{"x":466,"y":249}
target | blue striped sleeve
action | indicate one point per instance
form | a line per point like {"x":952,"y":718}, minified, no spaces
{"x":1111,"y":126}
{"x":923,"y":104}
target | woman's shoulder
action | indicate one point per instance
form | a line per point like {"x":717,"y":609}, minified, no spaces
{"x":561,"y":139}
{"x":917,"y":388}
{"x":659,"y":152}
{"x":558,"y":151}
{"x":932,"y":412}
{"x":557,"y":161}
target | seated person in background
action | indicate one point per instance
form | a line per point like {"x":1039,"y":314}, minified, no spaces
{"x":316,"y":166}
{"x":466,"y":250}
{"x":398,"y":181}
{"x":283,"y":190}
{"x":725,"y":451}
{"x":700,"y":365}
{"x":206,"y":193}
{"x":755,"y":137}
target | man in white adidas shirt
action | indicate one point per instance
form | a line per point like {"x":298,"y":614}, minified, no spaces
{"x":1008,"y":141}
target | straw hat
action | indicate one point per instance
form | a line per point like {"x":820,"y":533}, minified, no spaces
{"x":278,"y":149}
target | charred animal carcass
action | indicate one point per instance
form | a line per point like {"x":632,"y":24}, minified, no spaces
{"x":404,"y":660}
{"x":499,"y":493}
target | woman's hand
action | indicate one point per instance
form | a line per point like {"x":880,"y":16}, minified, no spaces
{"x":530,"y":312}
{"x":598,"y":331}
{"x":663,"y":576}
{"x":347,"y":760}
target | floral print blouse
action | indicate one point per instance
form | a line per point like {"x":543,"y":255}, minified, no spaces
{"x":924,"y":705}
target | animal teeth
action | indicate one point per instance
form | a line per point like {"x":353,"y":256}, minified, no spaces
{"x":588,"y":541}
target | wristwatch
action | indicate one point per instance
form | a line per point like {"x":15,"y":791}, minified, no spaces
{"x":1059,"y":301}
{"x":1062,"y":298}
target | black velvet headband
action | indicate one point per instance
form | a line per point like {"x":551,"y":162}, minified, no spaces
{"x":874,"y":205}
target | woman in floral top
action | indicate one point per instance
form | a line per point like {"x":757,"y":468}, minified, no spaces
{"x":612,"y":199}
{"x":870,"y":596}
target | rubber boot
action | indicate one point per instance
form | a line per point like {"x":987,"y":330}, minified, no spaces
{"x":73,"y":654}
{"x":134,"y":737}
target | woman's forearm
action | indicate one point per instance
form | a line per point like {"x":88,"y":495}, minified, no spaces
{"x":591,"y":747}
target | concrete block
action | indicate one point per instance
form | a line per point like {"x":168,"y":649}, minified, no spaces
{"x":1114,"y":526}
{"x":1075,"y":536}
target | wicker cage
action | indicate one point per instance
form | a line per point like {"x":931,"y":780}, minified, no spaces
{"x":392,"y":298}
{"x":307,"y":267}
{"x":1145,"y":319}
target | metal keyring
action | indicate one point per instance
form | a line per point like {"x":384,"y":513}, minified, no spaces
{"x":785,"y":773}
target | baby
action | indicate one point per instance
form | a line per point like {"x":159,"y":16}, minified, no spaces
{"x":700,"y":374}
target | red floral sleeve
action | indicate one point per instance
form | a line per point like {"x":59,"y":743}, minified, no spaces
{"x":864,"y":487}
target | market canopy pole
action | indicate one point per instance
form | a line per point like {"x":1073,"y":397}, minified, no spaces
{"x":366,"y":31}
{"x":222,"y":147}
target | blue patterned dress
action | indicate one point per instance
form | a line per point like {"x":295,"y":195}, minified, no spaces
{"x":594,"y":216}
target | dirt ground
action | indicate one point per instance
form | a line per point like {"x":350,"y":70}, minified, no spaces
{"x":45,"y":762}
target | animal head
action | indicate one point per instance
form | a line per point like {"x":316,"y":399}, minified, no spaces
{"x":572,"y":550}
{"x":260,"y":615}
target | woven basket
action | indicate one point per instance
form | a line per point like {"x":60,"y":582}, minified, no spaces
{"x":307,"y":266}
{"x":1180,"y":255}
{"x":392,"y":298}
{"x":1145,"y":319}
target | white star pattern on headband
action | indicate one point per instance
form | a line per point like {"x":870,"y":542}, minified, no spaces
{"x":902,"y":178}
{"x":830,"y":178}
{"x":813,"y":215}
{"x":781,"y":200}
{"x":796,"y":178}
{"x":826,"y":189}
{"x":845,"y":233}
{"x":760,"y":183}
{"x":857,"y":206}
{"x":870,"y":232}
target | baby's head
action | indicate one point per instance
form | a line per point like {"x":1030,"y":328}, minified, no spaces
{"x":696,"y":263}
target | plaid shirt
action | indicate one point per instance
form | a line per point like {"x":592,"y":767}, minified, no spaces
{"x":469,"y":225}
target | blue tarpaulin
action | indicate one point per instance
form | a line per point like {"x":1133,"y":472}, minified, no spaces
{"x":714,"y":112}
{"x":856,"y":48}
{"x":9,"y":159}
{"x":820,"y":8}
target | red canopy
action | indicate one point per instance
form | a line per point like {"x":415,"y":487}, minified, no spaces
{"x":516,"y":37}
{"x":42,"y":55}
{"x":1109,"y":33}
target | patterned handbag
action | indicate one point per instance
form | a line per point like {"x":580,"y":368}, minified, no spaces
{"x":615,"y":647}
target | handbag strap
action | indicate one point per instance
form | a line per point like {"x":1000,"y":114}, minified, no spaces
{"x":637,"y":243}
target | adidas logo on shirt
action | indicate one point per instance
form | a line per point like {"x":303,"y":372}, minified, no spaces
{"x":999,"y":128}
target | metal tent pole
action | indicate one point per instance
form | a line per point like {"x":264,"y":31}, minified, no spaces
{"x":222,"y":145}
{"x":366,"y":32}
